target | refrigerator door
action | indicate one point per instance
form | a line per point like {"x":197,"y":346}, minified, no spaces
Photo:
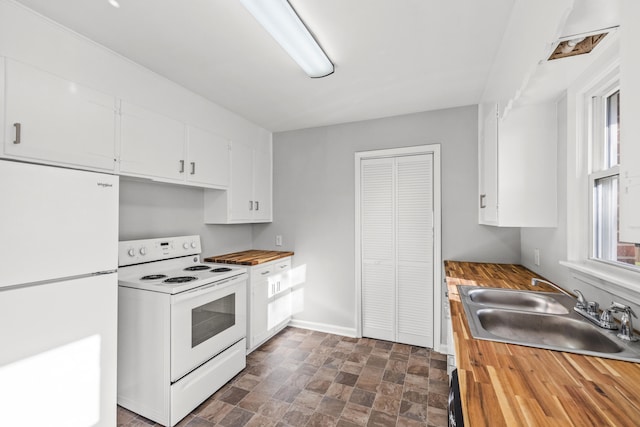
{"x":56,"y":223}
{"x":58,"y":358}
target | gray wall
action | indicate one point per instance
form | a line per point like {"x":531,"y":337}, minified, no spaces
{"x":150,"y":209}
{"x":314,"y":202}
{"x":552,"y":242}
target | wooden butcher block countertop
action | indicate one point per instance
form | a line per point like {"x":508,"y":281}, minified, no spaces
{"x":250,"y":257}
{"x":512,"y":385}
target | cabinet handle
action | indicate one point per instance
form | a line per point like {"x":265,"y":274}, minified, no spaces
{"x":482,"y":197}
{"x":193,"y":168}
{"x":181,"y":166}
{"x":250,"y":205}
{"x":257,"y":205}
{"x":265,"y":272}
{"x":18,"y":127}
{"x":284,"y":266}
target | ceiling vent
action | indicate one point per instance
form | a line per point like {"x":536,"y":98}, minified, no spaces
{"x":577,"y":45}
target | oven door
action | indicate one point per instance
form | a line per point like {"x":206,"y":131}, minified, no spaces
{"x":205,"y":321}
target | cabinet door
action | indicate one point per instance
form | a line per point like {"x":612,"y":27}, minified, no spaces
{"x":262,"y":186}
{"x":279,"y":310}
{"x":241,"y":191}
{"x":58,"y":121}
{"x":209,"y":159}
{"x":488,"y":163}
{"x":151,"y":144}
{"x":630,"y":126}
{"x":259,"y":310}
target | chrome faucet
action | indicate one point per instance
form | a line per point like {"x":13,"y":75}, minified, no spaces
{"x":535,"y":281}
{"x":626,"y":323}
{"x":587,"y":309}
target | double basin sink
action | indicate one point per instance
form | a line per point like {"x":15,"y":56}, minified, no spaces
{"x":539,"y":319}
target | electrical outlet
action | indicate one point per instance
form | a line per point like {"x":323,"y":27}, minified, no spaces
{"x":536,"y":256}
{"x":278,"y":240}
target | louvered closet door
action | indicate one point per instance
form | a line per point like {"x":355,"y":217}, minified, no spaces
{"x":397,"y":249}
{"x":378,"y":267}
{"x":414,"y":242}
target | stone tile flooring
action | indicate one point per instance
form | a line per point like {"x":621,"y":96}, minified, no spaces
{"x":307,"y":378}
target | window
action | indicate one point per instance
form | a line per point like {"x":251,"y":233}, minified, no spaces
{"x":604,"y":179}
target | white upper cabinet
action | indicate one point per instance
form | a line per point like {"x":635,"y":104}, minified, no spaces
{"x":629,"y":124}
{"x":488,"y":162}
{"x":262,"y":183}
{"x":208,"y":159}
{"x":517,"y":166}
{"x":53,"y":120}
{"x":242,"y":202}
{"x":164,"y":149}
{"x":151,"y":145}
{"x":249,"y":196}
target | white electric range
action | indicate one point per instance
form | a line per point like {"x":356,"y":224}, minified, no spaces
{"x":181,"y":326}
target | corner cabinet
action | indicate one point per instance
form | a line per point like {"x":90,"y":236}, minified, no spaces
{"x":517,"y":158}
{"x":49,"y":119}
{"x":269,"y":302}
{"x":248,"y":199}
{"x":164,"y":149}
{"x":630,"y":125}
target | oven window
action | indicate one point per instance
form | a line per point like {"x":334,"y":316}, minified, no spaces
{"x":210,"y":319}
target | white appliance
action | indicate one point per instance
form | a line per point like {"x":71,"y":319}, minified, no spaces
{"x":181,"y":326}
{"x":58,"y":296}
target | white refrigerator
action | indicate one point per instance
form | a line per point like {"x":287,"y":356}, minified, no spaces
{"x":58,"y":296}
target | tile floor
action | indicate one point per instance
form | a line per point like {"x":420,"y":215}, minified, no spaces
{"x":307,"y":378}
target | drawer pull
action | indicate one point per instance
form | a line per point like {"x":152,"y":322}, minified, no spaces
{"x":18,"y":127}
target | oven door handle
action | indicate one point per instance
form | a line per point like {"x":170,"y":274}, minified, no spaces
{"x":196,"y":292}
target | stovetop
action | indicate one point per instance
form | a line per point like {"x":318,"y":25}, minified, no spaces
{"x":160,"y":265}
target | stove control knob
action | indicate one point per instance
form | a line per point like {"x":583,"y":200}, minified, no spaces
{"x":143,"y":251}
{"x":193,"y":245}
{"x":185,"y":245}
{"x":131,"y":252}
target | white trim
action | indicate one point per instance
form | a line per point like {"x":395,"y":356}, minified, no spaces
{"x":612,"y":278}
{"x":603,"y":73}
{"x":323,"y":327}
{"x":433,"y":149}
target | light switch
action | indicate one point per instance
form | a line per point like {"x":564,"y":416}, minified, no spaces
{"x":278,"y":240}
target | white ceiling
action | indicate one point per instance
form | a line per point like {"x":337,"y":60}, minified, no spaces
{"x":391,"y":56}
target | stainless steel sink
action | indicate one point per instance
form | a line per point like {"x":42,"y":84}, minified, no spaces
{"x":546,"y":330}
{"x":539,"y":319}
{"x":540,"y":302}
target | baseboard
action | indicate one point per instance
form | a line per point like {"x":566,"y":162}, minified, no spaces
{"x":323,"y":327}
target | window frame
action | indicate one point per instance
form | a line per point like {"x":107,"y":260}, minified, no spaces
{"x":596,"y":135}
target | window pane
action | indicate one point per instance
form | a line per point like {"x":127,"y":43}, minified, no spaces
{"x":606,"y":245}
{"x":612,"y":137}
{"x":605,"y":216}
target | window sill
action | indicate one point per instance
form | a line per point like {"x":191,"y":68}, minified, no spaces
{"x":619,"y":281}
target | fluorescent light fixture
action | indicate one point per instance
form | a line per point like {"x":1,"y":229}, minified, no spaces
{"x":284,"y":25}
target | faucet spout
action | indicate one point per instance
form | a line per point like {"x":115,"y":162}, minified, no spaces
{"x":535,"y":281}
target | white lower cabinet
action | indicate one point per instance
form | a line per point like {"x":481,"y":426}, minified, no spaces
{"x":269,"y":302}
{"x":50,"y":119}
